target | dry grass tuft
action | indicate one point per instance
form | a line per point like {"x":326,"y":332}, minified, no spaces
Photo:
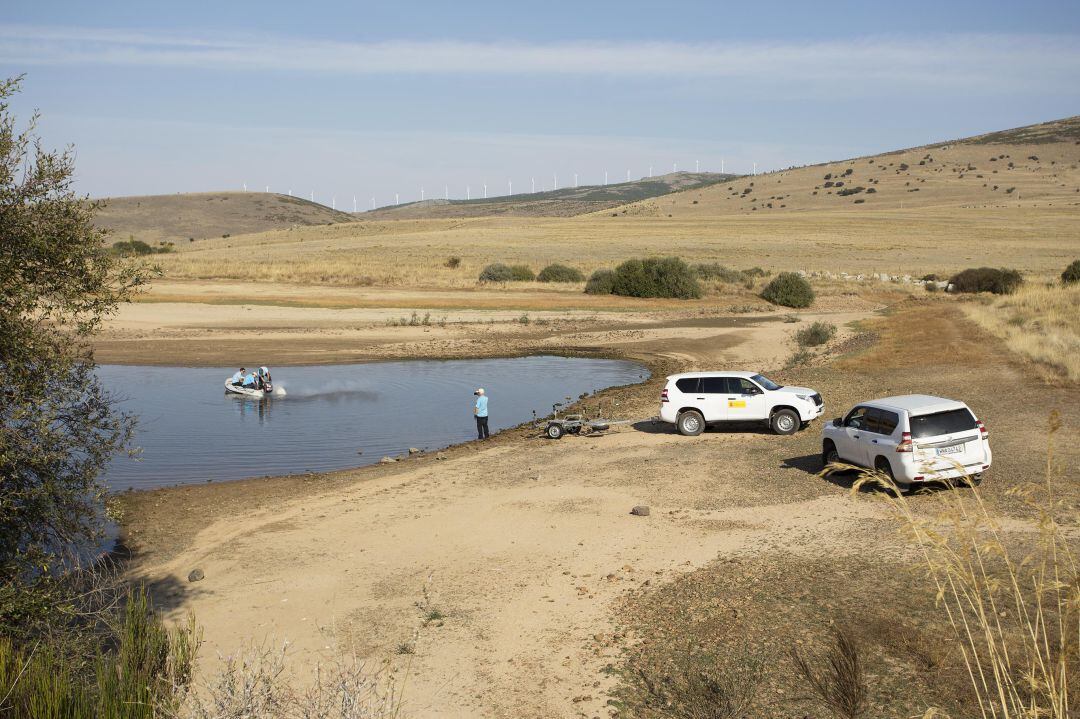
{"x":1038,"y":322}
{"x":836,"y":677}
{"x":257,"y":684}
{"x":1014,"y":606}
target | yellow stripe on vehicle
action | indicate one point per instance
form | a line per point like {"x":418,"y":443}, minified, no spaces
{"x":737,"y":403}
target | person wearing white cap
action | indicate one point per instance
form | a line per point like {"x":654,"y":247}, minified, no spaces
{"x":480,"y":411}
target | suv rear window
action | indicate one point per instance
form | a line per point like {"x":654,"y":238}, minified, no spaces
{"x":688,"y":385}
{"x":933,"y":425}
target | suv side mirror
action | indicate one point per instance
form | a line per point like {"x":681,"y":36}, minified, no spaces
{"x":837,"y":422}
{"x":752,"y":391}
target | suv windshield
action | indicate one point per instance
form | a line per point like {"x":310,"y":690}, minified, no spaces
{"x":766,"y":382}
{"x":939,"y":423}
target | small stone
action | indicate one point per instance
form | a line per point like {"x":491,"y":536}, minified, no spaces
{"x":387,"y":460}
{"x":414,"y":450}
{"x":195,"y":575}
{"x":640,"y":511}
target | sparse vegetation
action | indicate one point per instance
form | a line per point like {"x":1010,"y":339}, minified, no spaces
{"x":987,"y":279}
{"x":138,"y":248}
{"x":522,"y":273}
{"x":836,"y":676}
{"x":815,"y":334}
{"x":560,"y":273}
{"x":453,"y":262}
{"x":789,"y":289}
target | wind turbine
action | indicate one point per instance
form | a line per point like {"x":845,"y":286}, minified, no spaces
{"x":268,"y":188}
{"x":721,"y":164}
{"x":628,"y":175}
{"x":555,"y":177}
{"x":373,"y":203}
{"x":534,"y":185}
{"x":575,"y":180}
{"x":333,"y":202}
{"x":755,"y":169}
{"x":354,"y":203}
{"x":290,"y":192}
{"x":446,"y":192}
{"x":605,"y":177}
{"x":674,"y":167}
{"x":313,"y":195}
{"x":697,"y":165}
{"x":510,"y":187}
{"x":468,"y":194}
{"x":245,"y":187}
{"x":421,"y":193}
{"x":650,"y":171}
{"x":397,"y":199}
{"x":485,"y":190}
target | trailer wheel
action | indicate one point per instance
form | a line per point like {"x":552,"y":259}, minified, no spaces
{"x":554,"y":431}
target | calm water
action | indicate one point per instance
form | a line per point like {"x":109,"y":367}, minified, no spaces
{"x":191,"y":431}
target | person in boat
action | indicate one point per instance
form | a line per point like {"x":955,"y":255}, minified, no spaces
{"x":251,"y":382}
{"x":264,"y":378}
{"x":238,"y":378}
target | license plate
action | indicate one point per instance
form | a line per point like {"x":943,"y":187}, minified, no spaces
{"x":955,"y":449}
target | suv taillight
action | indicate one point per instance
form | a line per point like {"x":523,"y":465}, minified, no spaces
{"x":905,"y":443}
{"x":982,"y":429}
{"x":663,"y":395}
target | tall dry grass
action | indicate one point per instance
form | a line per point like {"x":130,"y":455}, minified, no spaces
{"x":1038,"y":322}
{"x":1013,"y":601}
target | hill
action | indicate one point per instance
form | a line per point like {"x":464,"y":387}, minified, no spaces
{"x":1035,"y":164}
{"x":202,"y":215}
{"x":566,"y":202}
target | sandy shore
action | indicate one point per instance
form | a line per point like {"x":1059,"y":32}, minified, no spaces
{"x":524,"y":544}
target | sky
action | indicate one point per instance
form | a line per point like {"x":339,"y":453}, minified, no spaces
{"x":370,"y":102}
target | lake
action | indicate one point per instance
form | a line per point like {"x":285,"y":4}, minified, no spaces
{"x":332,"y":416}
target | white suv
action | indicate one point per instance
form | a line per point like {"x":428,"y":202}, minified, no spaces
{"x":913,"y":438}
{"x":694,"y":399}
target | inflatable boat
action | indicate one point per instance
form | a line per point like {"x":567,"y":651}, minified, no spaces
{"x":264,"y":386}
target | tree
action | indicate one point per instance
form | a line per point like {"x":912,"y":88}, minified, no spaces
{"x":58,"y":425}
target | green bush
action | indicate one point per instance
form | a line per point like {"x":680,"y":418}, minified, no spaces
{"x":601,"y":282}
{"x":140,"y":672}
{"x":521,"y":273}
{"x":656,"y":277}
{"x":716,"y":271}
{"x":789,"y":290}
{"x":497,"y":272}
{"x":138,"y":248}
{"x":816,"y":334}
{"x":1071,"y":273}
{"x":560,"y":273}
{"x":987,"y":279}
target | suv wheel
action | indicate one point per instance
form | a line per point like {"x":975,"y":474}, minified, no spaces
{"x":829,"y":455}
{"x":785,"y":422}
{"x":690,"y":423}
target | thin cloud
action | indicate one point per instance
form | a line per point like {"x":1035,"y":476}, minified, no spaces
{"x":991,"y":61}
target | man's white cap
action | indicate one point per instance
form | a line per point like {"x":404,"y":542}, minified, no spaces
{"x":480,"y":390}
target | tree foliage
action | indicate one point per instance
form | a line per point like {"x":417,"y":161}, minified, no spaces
{"x":789,"y":289}
{"x":58,"y":426}
{"x":987,"y":279}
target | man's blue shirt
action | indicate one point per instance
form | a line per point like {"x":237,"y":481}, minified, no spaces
{"x":481,"y":406}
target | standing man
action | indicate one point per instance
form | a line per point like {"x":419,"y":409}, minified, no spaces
{"x":481,"y":413}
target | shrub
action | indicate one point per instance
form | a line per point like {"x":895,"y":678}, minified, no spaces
{"x":816,"y":334}
{"x":600,"y":282}
{"x":987,"y":279}
{"x":656,"y":277}
{"x":1071,"y":273}
{"x":137,"y":248}
{"x":497,"y":272}
{"x":716,"y":271}
{"x":756,"y":272}
{"x":453,"y":262}
{"x":789,"y":290}
{"x":560,"y":273}
{"x":851,"y":191}
{"x":521,"y":273}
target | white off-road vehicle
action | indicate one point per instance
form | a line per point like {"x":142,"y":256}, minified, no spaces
{"x":913,"y":438}
{"x":693,"y":400}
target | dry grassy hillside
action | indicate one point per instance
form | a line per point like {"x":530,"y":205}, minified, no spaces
{"x":980,"y":201}
{"x":1030,"y":166}
{"x":567,"y":202}
{"x":201,"y":215}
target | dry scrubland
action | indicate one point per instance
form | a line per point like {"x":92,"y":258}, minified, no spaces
{"x":1006,"y":199}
